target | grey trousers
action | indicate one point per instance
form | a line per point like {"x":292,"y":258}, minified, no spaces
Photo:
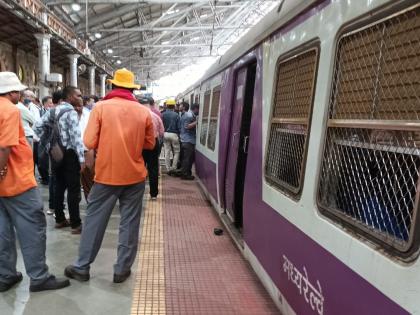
{"x":24,"y":214}
{"x":101,"y":202}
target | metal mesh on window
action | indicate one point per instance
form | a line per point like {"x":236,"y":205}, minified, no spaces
{"x":205,"y":119}
{"x":370,"y":171}
{"x":371,"y":177}
{"x":378,"y":71}
{"x":287,"y":143}
{"x":295,"y":86}
{"x":214,"y":113}
{"x":285,"y":169}
{"x":211,"y":141}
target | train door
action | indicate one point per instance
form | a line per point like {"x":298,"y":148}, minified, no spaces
{"x":238,"y":143}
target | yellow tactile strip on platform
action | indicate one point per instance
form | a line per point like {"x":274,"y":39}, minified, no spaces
{"x":149,"y":288}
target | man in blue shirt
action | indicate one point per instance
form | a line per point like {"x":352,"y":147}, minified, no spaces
{"x":170,"y":138}
{"x":188,"y":132}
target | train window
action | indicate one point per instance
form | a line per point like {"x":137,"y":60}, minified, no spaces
{"x":214,"y":113}
{"x":191,"y":98}
{"x":290,"y":122}
{"x":205,"y":118}
{"x":369,"y":178}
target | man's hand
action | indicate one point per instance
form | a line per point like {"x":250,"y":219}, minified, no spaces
{"x":3,"y":173}
{"x":90,"y":159}
{"x":4,"y":157}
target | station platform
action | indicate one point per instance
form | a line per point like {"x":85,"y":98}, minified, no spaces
{"x":181,"y":267}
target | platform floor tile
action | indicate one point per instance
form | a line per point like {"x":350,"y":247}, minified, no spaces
{"x":183,"y":268}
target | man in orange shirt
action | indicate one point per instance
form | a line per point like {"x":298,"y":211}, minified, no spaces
{"x":20,"y":201}
{"x":118,"y":129}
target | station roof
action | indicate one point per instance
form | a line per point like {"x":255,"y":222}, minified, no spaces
{"x":158,"y":37}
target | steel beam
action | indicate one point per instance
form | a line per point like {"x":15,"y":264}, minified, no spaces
{"x":61,"y":2}
{"x":171,"y":46}
{"x":172,"y":28}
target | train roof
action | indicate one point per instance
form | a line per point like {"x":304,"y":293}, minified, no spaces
{"x":268,"y":25}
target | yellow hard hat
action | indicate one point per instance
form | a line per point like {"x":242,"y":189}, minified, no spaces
{"x":124,"y":78}
{"x":170,"y":102}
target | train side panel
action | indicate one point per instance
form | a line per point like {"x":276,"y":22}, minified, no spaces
{"x":309,"y":264}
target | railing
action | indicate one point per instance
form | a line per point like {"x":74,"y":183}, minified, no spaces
{"x":41,"y":12}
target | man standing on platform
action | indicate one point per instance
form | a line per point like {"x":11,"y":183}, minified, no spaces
{"x":170,"y":139}
{"x":151,"y":157}
{"x":67,"y":173}
{"x":20,"y":200}
{"x":28,"y":119}
{"x":188,"y":132}
{"x":118,"y":129}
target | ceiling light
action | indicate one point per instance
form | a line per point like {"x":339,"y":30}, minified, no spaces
{"x":195,"y":38}
{"x":165,"y":51}
{"x":203,"y":15}
{"x":163,"y":64}
{"x":76,"y":7}
{"x":172,"y":11}
{"x":98,"y":35}
{"x":166,"y":42}
{"x":118,"y":62}
{"x":110,"y":51}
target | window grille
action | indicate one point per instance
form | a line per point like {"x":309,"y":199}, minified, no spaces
{"x":214,"y":113}
{"x":290,"y":121}
{"x":370,"y":171}
{"x":205,"y":119}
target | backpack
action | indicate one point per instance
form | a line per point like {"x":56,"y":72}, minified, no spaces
{"x":50,"y":142}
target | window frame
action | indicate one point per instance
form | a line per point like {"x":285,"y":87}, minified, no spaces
{"x":217,"y":88}
{"x":350,"y":225}
{"x":207,"y":92}
{"x":281,"y":186}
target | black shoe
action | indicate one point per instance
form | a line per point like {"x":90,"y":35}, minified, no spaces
{"x":72,"y":273}
{"x":52,"y":283}
{"x":187,"y":177}
{"x":173,"y":173}
{"x":176,"y":174}
{"x":62,"y":224}
{"x":6,"y":286}
{"x":118,"y":278}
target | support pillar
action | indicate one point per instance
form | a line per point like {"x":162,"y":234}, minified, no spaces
{"x":43,"y":62}
{"x":73,"y":69}
{"x":92,"y":80}
{"x":103,"y":84}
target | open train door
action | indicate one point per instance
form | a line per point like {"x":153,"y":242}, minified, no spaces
{"x":238,"y":142}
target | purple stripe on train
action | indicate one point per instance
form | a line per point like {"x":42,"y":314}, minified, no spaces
{"x":206,"y":170}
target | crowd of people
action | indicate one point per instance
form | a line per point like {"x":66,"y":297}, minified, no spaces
{"x":105,"y":148}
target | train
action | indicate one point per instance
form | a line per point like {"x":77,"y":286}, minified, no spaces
{"x":308,"y":147}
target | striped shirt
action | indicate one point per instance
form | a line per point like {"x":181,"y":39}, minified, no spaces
{"x":70,"y":133}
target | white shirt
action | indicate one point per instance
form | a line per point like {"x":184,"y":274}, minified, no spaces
{"x":35,"y":110}
{"x":84,"y":119}
{"x":28,"y":119}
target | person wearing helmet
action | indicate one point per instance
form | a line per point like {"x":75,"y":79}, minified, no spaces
{"x":171,"y":136}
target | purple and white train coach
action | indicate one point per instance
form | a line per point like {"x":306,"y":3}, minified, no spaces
{"x":308,"y":146}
